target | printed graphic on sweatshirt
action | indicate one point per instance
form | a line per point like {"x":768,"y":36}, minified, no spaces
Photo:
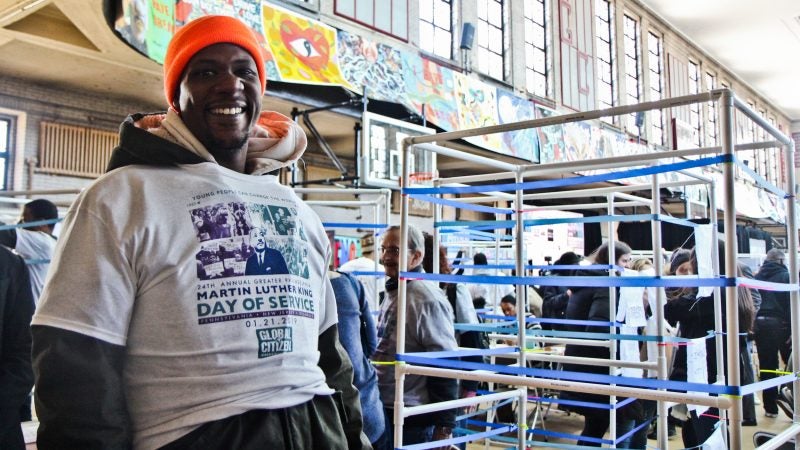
{"x":239,"y":238}
{"x":273,"y":341}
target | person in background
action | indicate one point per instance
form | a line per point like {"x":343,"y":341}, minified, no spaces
{"x":131,"y":349}
{"x":555,"y":298}
{"x":695,"y":317}
{"x":773,"y":328}
{"x":16,"y":375}
{"x":592,"y":303}
{"x":373,"y":284}
{"x":508,"y":304}
{"x":492,"y":293}
{"x":428,"y":328}
{"x":358,"y":335}
{"x":461,"y":302}
{"x":35,"y":244}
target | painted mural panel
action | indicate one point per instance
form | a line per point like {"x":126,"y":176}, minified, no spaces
{"x":430,"y":86}
{"x":477,"y":107}
{"x":580,"y":142}
{"x":551,"y":139}
{"x":304,"y":49}
{"x":147,"y":25}
{"x":523,"y":143}
{"x":377,"y":67}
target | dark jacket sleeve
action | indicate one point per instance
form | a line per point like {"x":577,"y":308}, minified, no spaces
{"x":335,"y":363}
{"x":370,"y":330}
{"x":8,"y":237}
{"x":79,"y":393}
{"x":16,"y":376}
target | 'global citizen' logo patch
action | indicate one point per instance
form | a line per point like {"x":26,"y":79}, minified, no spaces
{"x":273,"y":341}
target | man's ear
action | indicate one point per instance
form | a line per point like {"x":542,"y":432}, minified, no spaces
{"x":175,"y":103}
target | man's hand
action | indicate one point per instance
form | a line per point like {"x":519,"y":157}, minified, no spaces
{"x":440,"y":433}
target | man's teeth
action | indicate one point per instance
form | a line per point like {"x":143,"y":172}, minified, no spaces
{"x":228,"y":111}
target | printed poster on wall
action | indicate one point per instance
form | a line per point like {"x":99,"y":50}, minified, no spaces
{"x":304,"y":49}
{"x":523,"y":143}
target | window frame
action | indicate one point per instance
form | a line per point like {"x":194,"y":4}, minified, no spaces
{"x":657,"y":128}
{"x":712,"y":114}
{"x":636,"y":59}
{"x":372,"y":26}
{"x":481,"y":50}
{"x":10,"y":147}
{"x":451,"y":31}
{"x":695,"y":112}
{"x":606,"y":22}
{"x":530,"y":65}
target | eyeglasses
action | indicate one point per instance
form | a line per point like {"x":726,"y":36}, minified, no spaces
{"x":391,"y":250}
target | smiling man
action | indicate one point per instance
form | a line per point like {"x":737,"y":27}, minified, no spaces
{"x":133,"y":346}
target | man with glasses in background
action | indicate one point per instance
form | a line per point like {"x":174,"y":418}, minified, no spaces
{"x":429,"y":328}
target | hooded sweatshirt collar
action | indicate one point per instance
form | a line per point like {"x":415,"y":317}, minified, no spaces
{"x":275,"y":141}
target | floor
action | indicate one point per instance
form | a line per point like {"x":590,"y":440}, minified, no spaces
{"x":564,"y":422}
{"x":557,"y":420}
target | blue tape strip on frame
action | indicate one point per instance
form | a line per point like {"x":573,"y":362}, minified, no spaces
{"x":539,"y":267}
{"x":592,"y":281}
{"x":29,"y":224}
{"x":477,"y":233}
{"x":767,"y":285}
{"x":572,"y":181}
{"x":31,"y":262}
{"x":367,"y":274}
{"x":459,"y":440}
{"x":461,"y":205}
{"x":485,"y":410}
{"x":463,"y":224}
{"x":568,"y":436}
{"x":425,"y":360}
{"x":761,"y":181}
{"x":766,"y":384}
{"x":477,"y":224}
{"x":377,"y":226}
{"x":595,"y":323}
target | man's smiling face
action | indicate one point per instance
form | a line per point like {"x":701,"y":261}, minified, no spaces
{"x":219,"y":99}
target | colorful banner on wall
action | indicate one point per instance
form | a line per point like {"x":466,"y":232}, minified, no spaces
{"x":147,"y":25}
{"x":304,"y":49}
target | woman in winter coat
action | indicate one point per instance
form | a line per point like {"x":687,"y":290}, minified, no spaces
{"x":695,"y":317}
{"x":592,"y":303}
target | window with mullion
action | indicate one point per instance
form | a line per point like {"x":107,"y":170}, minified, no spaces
{"x":436,"y":27}
{"x":387,"y":16}
{"x":632,"y":79}
{"x":695,"y":119}
{"x":604,"y":59}
{"x":536,"y":61}
{"x":712,"y":135}
{"x":6,"y":146}
{"x":656,"y":63}
{"x":491,"y":38}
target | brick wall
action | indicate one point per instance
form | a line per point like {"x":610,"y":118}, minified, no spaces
{"x":63,"y":105}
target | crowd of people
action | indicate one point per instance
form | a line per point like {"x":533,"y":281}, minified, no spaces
{"x":160,"y":327}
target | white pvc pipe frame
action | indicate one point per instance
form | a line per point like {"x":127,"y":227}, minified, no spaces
{"x":727,"y":104}
{"x":383,"y":200}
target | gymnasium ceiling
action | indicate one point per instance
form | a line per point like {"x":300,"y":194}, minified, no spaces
{"x":758,"y":40}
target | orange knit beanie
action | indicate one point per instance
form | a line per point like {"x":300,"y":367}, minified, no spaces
{"x":204,"y":32}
